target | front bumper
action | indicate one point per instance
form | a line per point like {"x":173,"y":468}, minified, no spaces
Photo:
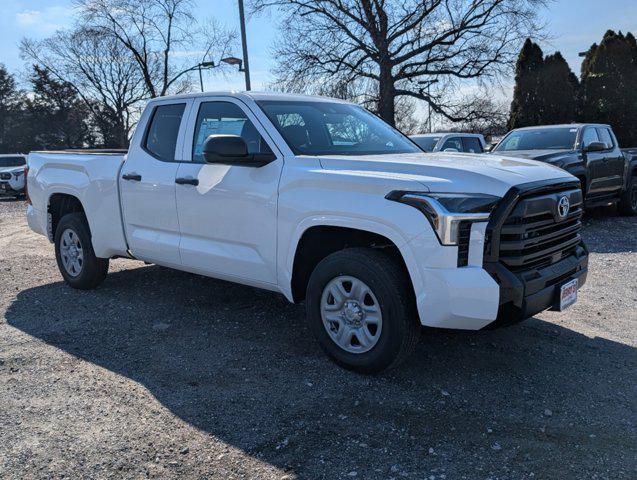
{"x":465,"y":298}
{"x":525,"y":294}
{"x":513,"y":269}
{"x":458,"y":298}
{"x":6,"y":189}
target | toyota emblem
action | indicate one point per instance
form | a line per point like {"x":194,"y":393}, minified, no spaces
{"x":563,"y":207}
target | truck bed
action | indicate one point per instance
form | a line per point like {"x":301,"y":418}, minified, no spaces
{"x":631,"y":153}
{"x":91,"y":151}
{"x":89,"y":175}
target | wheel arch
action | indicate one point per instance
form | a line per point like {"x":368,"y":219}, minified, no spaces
{"x":632,"y":169}
{"x":58,"y":205}
{"x":580,"y":174}
{"x":316,"y":241}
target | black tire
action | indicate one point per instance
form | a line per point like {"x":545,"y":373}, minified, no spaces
{"x":93,"y":269}
{"x":628,"y":202}
{"x":390,"y":284}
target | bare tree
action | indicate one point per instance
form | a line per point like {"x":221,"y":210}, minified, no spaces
{"x":492,"y":121}
{"x":161,"y":36}
{"x":423,"y":49}
{"x":102,"y":73}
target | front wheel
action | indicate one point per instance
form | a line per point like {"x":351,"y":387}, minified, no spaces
{"x":361,"y":308}
{"x":74,"y":253}
{"x":628,"y":202}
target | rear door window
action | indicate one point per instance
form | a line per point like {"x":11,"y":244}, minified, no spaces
{"x":163,"y":130}
{"x":472,"y":145}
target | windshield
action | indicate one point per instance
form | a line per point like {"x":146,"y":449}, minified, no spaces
{"x":322,"y":128}
{"x":12,"y":162}
{"x":426,"y":143}
{"x":539,"y":139}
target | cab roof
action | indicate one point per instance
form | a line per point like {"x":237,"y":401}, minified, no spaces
{"x":256,"y":96}
{"x":442,"y":134}
{"x":564,"y":125}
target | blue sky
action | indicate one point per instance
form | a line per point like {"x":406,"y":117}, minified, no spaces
{"x":574,"y":25}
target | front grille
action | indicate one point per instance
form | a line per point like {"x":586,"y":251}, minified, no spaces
{"x":534,"y":235}
{"x":5,"y":176}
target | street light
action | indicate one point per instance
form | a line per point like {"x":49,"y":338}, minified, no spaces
{"x":204,"y":65}
{"x":208,"y":65}
{"x":233,"y":61}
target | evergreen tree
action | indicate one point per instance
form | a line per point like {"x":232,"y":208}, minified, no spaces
{"x":526,"y":108}
{"x":60,"y":119}
{"x":558,"y":91}
{"x":609,"y":84}
{"x":10,"y":113}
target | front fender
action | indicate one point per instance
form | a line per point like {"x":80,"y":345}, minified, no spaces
{"x":574,"y":164}
{"x":321,"y":220}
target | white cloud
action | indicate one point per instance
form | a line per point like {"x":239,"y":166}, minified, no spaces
{"x":45,"y":21}
{"x":28,"y":17}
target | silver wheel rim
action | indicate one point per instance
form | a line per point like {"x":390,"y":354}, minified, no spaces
{"x":71,"y":252}
{"x":351,"y":314}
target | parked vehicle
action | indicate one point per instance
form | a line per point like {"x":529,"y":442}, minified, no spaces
{"x":493,"y":142}
{"x":320,"y":200}
{"x":12,"y":175}
{"x":450,"y":142}
{"x":590,"y":152}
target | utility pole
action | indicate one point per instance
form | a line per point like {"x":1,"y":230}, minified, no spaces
{"x":429,"y":105}
{"x":244,"y":43}
{"x":428,"y":84}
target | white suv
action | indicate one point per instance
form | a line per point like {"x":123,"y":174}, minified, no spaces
{"x":12,"y":175}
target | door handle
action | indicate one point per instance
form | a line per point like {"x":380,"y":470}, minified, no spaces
{"x":187,"y":181}
{"x":132,"y":176}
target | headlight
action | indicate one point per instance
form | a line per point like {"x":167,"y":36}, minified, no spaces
{"x":446,"y":211}
{"x":18,"y":174}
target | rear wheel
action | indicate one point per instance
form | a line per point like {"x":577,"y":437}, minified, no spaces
{"x":628,"y":202}
{"x":361,"y":309}
{"x":74,"y":253}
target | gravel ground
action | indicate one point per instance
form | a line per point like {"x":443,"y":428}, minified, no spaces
{"x":168,"y":375}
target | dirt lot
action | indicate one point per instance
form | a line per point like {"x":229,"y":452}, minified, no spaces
{"x":168,"y":375}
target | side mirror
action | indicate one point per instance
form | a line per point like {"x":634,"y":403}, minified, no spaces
{"x":451,"y":150}
{"x":232,"y":150}
{"x":595,"y":147}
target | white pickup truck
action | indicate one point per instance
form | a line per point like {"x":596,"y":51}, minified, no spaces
{"x":320,"y":200}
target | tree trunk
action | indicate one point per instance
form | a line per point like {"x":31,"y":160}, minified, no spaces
{"x":386,"y":95}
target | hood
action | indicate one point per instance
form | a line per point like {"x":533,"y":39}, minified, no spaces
{"x":448,"y":172}
{"x":540,"y":155}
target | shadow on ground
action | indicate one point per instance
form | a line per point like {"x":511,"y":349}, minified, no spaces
{"x":239,"y":364}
